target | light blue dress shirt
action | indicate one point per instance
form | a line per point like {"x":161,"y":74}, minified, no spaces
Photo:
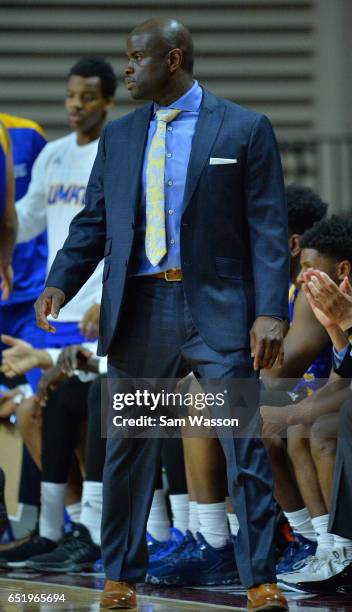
{"x":340,"y":355}
{"x":179,"y":135}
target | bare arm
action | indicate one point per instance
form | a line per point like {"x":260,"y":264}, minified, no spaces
{"x":303,"y":343}
{"x":326,"y":400}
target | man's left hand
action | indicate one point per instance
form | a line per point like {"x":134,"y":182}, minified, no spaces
{"x":267,"y":335}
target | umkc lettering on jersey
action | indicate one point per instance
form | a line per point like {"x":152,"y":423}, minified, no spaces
{"x":60,"y":193}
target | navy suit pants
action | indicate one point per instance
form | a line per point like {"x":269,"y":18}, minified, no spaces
{"x":156,"y":338}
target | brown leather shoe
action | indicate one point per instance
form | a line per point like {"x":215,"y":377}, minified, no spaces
{"x":118,"y":596}
{"x":266,"y":597}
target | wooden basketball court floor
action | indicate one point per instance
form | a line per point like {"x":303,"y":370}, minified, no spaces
{"x":81,"y":592}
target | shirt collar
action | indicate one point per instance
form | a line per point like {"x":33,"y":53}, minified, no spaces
{"x":190,"y":101}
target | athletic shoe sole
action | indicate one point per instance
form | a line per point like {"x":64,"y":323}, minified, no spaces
{"x":12,"y":564}
{"x":217,"y":580}
{"x":61,"y":569}
{"x":286,"y":586}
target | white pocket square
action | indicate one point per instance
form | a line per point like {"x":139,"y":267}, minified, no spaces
{"x":217,"y":161}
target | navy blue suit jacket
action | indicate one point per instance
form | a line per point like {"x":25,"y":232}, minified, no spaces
{"x":234,"y":245}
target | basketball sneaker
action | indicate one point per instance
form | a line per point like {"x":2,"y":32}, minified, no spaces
{"x":167,"y":548}
{"x":75,"y":552}
{"x":296,"y":554}
{"x":184,"y":547}
{"x":199,"y":564}
{"x":18,"y":556}
{"x":317,"y":568}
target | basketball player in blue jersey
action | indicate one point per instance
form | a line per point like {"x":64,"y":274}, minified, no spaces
{"x":312,"y":422}
{"x":30,"y":258}
{"x":8,"y":227}
{"x":3,"y":167}
{"x":307,"y":350}
{"x":29,"y":267}
{"x":8,"y":223}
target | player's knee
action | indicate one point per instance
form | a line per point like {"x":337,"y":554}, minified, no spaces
{"x":322,"y":438}
{"x":297,"y":442}
{"x":27,"y":414}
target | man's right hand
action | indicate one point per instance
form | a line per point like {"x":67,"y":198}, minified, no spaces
{"x":49,"y":302}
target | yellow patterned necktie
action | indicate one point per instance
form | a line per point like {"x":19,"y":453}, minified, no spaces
{"x":155,"y":233}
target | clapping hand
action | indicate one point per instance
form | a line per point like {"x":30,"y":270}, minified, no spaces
{"x":331,"y":304}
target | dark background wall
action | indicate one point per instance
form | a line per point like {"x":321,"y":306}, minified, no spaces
{"x":290,"y":59}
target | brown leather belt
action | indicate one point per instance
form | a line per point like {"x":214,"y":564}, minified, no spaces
{"x":174,"y":274}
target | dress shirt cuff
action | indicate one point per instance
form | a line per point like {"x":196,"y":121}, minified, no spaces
{"x":340,"y":355}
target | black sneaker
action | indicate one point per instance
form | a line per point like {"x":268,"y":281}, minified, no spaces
{"x":17,"y":556}
{"x":75,"y":552}
{"x":4,"y":520}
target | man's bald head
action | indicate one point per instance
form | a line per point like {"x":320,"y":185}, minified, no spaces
{"x":167,"y":34}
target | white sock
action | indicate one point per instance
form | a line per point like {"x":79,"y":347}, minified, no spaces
{"x":51,"y":519}
{"x":158,"y":522}
{"x":301,"y":522}
{"x":180,"y":511}
{"x":193,"y":523}
{"x":344,"y":543}
{"x":213,"y":523}
{"x":92,"y":501}
{"x":233,"y":522}
{"x":325,"y":540}
{"x":74,"y":512}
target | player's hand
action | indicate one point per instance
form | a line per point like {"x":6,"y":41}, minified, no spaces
{"x":49,"y":382}
{"x":6,"y":275}
{"x":74,"y":357}
{"x":18,"y":359}
{"x":49,"y":302}
{"x":89,"y":326}
{"x":267,"y":335}
{"x":325,"y":296}
{"x":275,"y":420}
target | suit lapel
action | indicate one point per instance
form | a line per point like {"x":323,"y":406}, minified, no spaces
{"x":138,"y":137}
{"x":208,"y":125}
